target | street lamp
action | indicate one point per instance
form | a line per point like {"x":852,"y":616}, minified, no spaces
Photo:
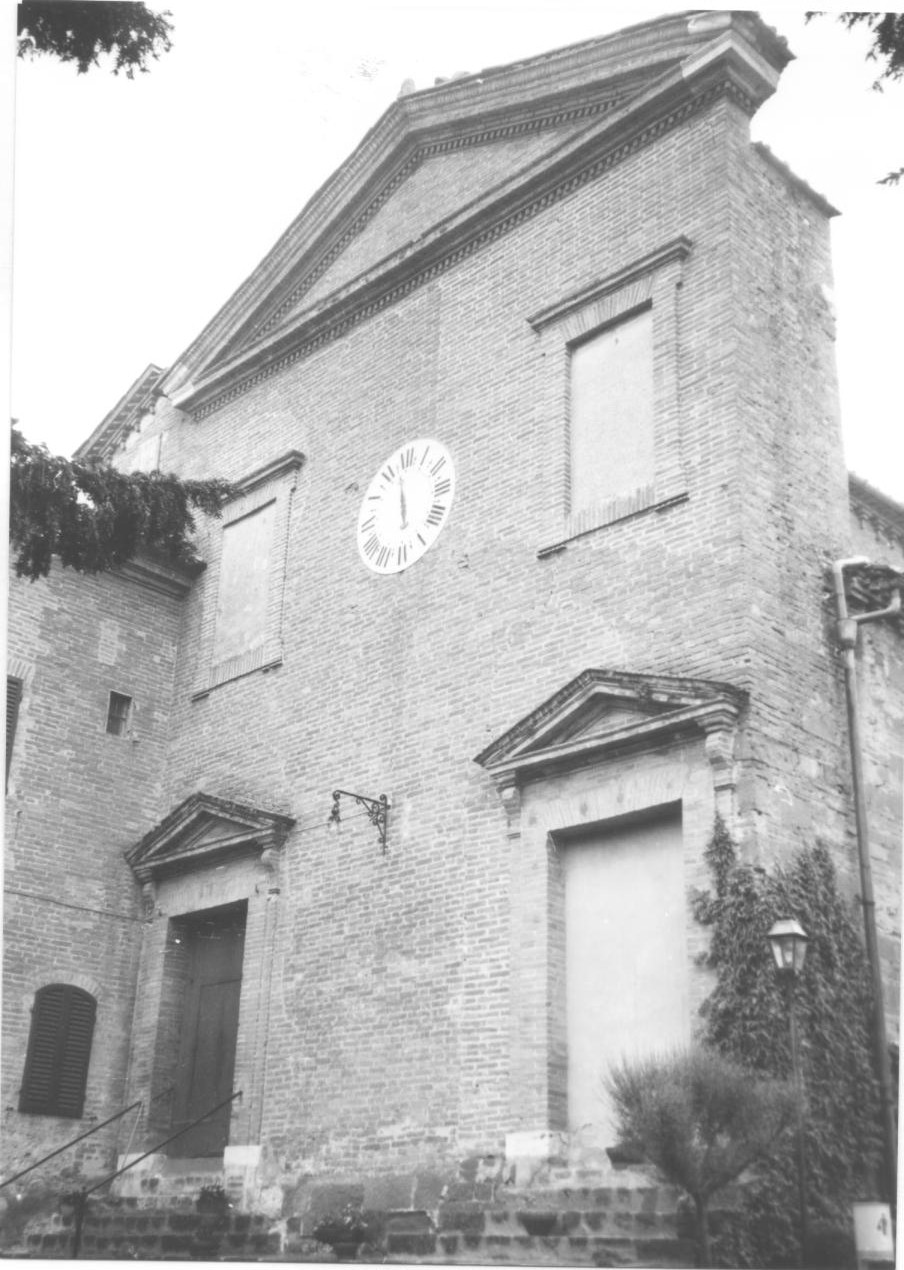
{"x":788,"y":941}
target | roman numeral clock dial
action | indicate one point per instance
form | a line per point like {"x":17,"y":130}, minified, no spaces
{"x":406,"y":506}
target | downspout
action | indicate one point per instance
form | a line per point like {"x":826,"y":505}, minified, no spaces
{"x":847,"y":628}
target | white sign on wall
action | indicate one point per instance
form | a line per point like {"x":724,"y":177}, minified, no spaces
{"x":873,"y":1232}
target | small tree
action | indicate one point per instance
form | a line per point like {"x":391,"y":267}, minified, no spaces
{"x":95,"y":518}
{"x":701,"y":1119}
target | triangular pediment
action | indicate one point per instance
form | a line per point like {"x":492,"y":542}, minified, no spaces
{"x":451,"y":166}
{"x":202,"y":830}
{"x":440,"y":182}
{"x":602,"y":712}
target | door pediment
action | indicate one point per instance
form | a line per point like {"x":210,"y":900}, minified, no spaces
{"x":202,"y":829}
{"x":602,"y":712}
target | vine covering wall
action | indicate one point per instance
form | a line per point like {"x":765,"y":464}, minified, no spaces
{"x":746,"y":1017}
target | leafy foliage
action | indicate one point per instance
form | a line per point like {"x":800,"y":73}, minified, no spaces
{"x":746,"y":1017}
{"x":887,"y":41}
{"x":700,"y":1118}
{"x":96,"y":518}
{"x":887,"y":48}
{"x":81,"y":30}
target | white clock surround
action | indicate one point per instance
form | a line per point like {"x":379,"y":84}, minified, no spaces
{"x":406,"y":506}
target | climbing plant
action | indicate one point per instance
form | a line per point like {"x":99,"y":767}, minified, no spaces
{"x":746,"y":1017}
{"x":93,"y":517}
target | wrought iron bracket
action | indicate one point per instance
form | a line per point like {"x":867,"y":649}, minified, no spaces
{"x":377,"y":812}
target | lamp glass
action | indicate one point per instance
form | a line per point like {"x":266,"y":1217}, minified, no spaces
{"x":788,"y":941}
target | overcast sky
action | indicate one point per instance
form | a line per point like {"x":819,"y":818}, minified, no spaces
{"x":140,"y":206}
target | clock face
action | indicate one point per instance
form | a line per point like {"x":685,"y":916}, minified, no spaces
{"x":406,"y":506}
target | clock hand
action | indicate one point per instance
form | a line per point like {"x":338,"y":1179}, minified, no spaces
{"x":404,"y":524}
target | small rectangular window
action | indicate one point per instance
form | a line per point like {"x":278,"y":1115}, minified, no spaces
{"x":612,"y":442}
{"x":119,"y":714}
{"x":13,"y":699}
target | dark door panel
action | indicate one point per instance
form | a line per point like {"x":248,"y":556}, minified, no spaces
{"x":210,"y":1027}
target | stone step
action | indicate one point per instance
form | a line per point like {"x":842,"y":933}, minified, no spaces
{"x":542,"y":1222}
{"x":656,"y":1253}
{"x":120,"y":1231}
{"x":603,"y":1198}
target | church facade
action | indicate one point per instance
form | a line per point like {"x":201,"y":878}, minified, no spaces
{"x":385,"y":817}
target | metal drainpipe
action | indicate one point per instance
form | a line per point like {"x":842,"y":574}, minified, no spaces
{"x":847,"y":628}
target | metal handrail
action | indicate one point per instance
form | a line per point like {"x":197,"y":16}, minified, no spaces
{"x":59,"y":1150}
{"x":185,"y":1128}
{"x":80,"y":1198}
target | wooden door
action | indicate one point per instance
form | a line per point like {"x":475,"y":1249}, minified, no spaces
{"x":210,"y":1017}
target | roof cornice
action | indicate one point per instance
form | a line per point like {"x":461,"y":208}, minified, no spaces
{"x":125,"y":415}
{"x":736,"y":72}
{"x":869,"y":503}
{"x":590,"y":79}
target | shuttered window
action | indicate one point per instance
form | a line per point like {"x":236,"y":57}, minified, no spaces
{"x":59,"y":1048}
{"x":13,"y":697}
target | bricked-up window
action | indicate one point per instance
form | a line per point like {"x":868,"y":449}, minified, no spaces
{"x":13,"y":700}
{"x":611,"y":415}
{"x":119,"y":714}
{"x":59,"y":1050}
{"x":244,"y":585}
{"x":610,"y":353}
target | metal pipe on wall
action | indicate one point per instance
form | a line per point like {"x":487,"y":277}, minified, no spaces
{"x":847,"y":628}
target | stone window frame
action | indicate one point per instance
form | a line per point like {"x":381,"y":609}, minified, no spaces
{"x":120,"y":714}
{"x":23,"y":671}
{"x":554,"y":780}
{"x":275,"y":482}
{"x":653,"y":281}
{"x":620,"y":790}
{"x":209,"y":852}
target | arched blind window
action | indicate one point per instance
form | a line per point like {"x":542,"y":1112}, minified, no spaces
{"x":59,"y":1048}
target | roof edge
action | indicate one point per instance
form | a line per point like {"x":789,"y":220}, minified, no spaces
{"x":873,"y":503}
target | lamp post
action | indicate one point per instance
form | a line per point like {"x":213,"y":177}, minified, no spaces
{"x":788,"y":941}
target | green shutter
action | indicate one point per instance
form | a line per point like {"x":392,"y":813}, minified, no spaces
{"x":13,"y":697}
{"x":59,"y":1050}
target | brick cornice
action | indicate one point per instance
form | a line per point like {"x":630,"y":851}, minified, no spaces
{"x":204,"y":830}
{"x":349,"y":229}
{"x":157,"y":575}
{"x":576,"y":726}
{"x":613,"y":140}
{"x":678,"y":249}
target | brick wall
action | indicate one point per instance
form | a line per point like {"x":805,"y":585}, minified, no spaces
{"x":77,"y":797}
{"x":397,"y":1024}
{"x":880,"y":684}
{"x":394,"y":683}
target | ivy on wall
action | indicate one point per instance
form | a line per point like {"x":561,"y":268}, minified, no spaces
{"x":94,"y":518}
{"x":746,"y":1017}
